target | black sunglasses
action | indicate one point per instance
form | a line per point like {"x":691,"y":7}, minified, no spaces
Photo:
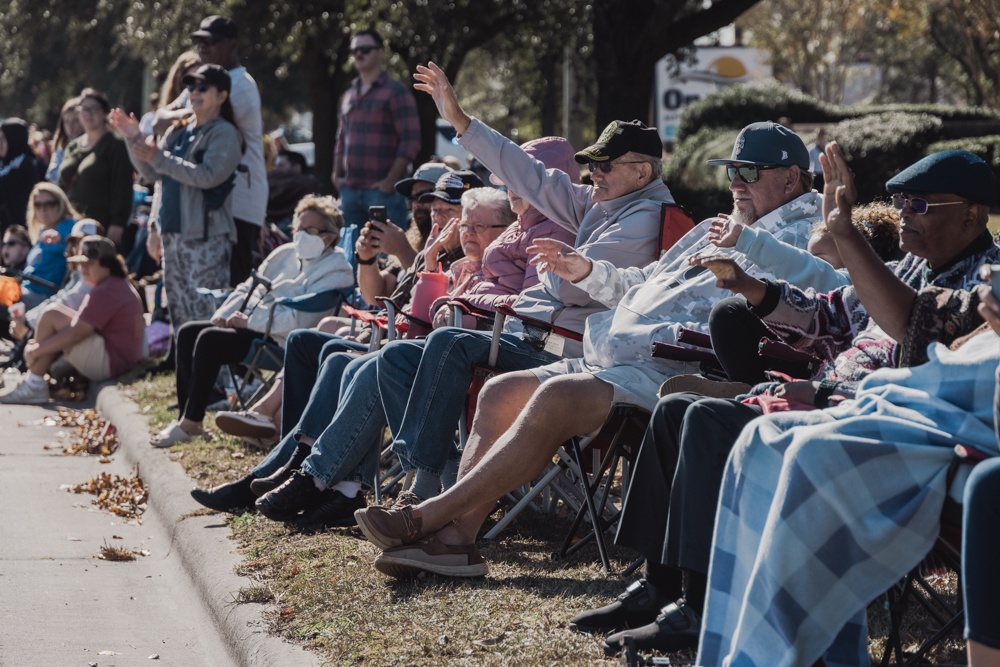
{"x":48,"y":203}
{"x":748,"y":173}
{"x":606,"y":167}
{"x":200,"y":87}
{"x":362,"y":50}
{"x":916,"y":204}
{"x":206,"y":41}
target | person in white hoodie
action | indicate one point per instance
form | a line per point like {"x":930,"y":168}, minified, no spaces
{"x":525,"y":416}
{"x":311,"y":263}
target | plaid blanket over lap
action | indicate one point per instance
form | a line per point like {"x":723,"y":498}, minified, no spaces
{"x":820,"y":512}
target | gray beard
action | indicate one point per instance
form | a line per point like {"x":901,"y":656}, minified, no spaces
{"x":747,"y":217}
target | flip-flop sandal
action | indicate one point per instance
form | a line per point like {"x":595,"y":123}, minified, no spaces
{"x":171,"y":435}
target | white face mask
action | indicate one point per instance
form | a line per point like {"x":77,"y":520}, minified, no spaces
{"x":308,"y":246}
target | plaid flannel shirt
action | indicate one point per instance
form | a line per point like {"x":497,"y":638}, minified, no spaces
{"x":375,"y":128}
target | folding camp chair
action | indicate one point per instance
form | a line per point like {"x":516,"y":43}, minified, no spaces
{"x":266,"y":357}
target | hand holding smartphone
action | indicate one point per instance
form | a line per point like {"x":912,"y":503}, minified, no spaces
{"x":376,"y":218}
{"x":995,"y":280}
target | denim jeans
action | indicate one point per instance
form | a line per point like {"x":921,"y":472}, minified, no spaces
{"x":320,"y":407}
{"x":354,"y":205}
{"x":438,"y":370}
{"x":305,"y":351}
{"x":348,"y":448}
{"x":980,"y":577}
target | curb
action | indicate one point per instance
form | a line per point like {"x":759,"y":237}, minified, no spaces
{"x":206,"y":552}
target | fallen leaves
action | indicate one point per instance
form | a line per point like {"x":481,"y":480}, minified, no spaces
{"x":124,"y":496}
{"x":118,"y":554}
{"x":94,"y":436}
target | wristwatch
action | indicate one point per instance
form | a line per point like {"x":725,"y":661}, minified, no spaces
{"x":365,"y":262}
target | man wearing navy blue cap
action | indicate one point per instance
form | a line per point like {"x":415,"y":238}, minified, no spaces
{"x":668,"y":516}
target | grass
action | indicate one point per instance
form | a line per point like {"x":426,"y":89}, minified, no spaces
{"x":323,"y":591}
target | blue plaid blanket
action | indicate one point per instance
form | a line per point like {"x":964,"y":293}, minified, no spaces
{"x":820,"y":512}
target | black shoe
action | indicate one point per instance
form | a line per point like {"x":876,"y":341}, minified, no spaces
{"x":298,"y":493}
{"x":335,"y":510}
{"x":637,"y":606}
{"x":676,"y":628}
{"x":263,"y":485}
{"x":234,"y":497}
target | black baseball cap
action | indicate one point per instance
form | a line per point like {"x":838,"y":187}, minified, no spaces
{"x":451,"y":186}
{"x":213,"y":75}
{"x":621,"y":137}
{"x":216,"y":27}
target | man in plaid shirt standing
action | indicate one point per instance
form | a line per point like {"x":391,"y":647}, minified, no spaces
{"x":378,"y":136}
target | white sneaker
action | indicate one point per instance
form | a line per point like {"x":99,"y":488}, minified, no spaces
{"x":25,"y":394}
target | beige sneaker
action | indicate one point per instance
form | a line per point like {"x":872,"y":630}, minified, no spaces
{"x":702,"y":385}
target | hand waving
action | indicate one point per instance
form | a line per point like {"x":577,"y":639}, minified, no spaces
{"x":839,"y":193}
{"x":560,"y":259}
{"x":432,"y":80}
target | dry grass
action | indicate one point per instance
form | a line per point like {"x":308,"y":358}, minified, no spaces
{"x":326,"y":594}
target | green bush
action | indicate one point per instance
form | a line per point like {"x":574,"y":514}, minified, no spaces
{"x":879,"y":146}
{"x":702,"y":189}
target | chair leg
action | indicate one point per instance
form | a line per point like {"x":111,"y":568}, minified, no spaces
{"x":594,"y":516}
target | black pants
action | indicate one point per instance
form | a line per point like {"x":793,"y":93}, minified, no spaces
{"x":202,"y":349}
{"x":241,"y":261}
{"x":669,"y":513}
{"x":736,"y":331}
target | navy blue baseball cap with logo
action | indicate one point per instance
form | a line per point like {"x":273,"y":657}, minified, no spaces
{"x":767,"y":144}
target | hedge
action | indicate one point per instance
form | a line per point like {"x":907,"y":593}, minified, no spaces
{"x":702,"y":189}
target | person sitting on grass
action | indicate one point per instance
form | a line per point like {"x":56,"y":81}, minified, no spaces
{"x":101,"y":340}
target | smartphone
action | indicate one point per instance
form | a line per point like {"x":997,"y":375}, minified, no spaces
{"x":995,"y":279}
{"x":377,"y":213}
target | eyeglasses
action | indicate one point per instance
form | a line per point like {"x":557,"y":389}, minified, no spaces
{"x":90,"y":108}
{"x":314,"y":231}
{"x":606,"y":167}
{"x":748,"y":173}
{"x":46,"y":203}
{"x":206,"y":41}
{"x":918,"y":205}
{"x":478,"y":228}
{"x":362,"y":50}
{"x":200,"y":87}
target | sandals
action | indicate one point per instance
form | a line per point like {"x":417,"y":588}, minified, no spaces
{"x":172,"y":434}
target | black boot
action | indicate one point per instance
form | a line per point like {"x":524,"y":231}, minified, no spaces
{"x":262,"y":485}
{"x":235,"y":497}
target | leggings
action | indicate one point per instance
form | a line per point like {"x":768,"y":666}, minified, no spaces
{"x":202,"y":349}
{"x":980,"y":546}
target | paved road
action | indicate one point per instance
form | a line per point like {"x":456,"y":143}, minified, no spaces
{"x":59,"y":604}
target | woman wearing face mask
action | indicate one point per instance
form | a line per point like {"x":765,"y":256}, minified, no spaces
{"x":311,"y":263}
{"x":194,"y":165}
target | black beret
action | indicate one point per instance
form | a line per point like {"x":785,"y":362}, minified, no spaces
{"x":959,"y":173}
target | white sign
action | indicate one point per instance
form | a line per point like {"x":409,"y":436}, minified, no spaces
{"x":714,"y":67}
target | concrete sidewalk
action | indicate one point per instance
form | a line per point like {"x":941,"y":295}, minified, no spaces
{"x":60,"y":605}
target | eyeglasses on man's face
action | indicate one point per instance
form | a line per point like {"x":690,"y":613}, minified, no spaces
{"x":917,"y":204}
{"x":607,"y":167}
{"x":362,"y":50}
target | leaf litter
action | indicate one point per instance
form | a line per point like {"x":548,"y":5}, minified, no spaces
{"x":123,"y":496}
{"x":94,"y":436}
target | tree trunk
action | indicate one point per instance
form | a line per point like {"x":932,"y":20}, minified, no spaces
{"x":326,"y":82}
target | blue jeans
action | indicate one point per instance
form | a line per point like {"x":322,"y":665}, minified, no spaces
{"x":354,"y":205}
{"x":348,"y":448}
{"x":305,"y":351}
{"x":439,"y":371}
{"x":980,"y":577}
{"x":318,"y":412}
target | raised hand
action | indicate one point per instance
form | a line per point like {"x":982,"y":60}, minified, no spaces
{"x":560,"y":259}
{"x":432,"y":80}
{"x":126,"y":124}
{"x":448,"y":238}
{"x":839,"y":192}
{"x":724,"y":231}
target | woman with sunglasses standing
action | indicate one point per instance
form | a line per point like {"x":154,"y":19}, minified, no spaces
{"x":194,"y":165}
{"x":95,"y":171}
{"x":51,"y":217}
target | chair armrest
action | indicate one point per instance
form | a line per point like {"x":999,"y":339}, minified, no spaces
{"x":681,"y":353}
{"x":565,"y":333}
{"x":779,"y":350}
{"x":694,"y":337}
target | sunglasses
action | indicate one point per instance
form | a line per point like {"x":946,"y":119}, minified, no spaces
{"x":607,"y":167}
{"x":206,"y":41}
{"x":748,"y":173}
{"x":47,"y":203}
{"x":916,"y":204}
{"x":200,"y":87}
{"x":314,"y":231}
{"x":362,"y":50}
{"x":90,"y":108}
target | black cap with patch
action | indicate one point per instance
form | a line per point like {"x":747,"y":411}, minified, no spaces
{"x":621,"y":137}
{"x":216,"y":27}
